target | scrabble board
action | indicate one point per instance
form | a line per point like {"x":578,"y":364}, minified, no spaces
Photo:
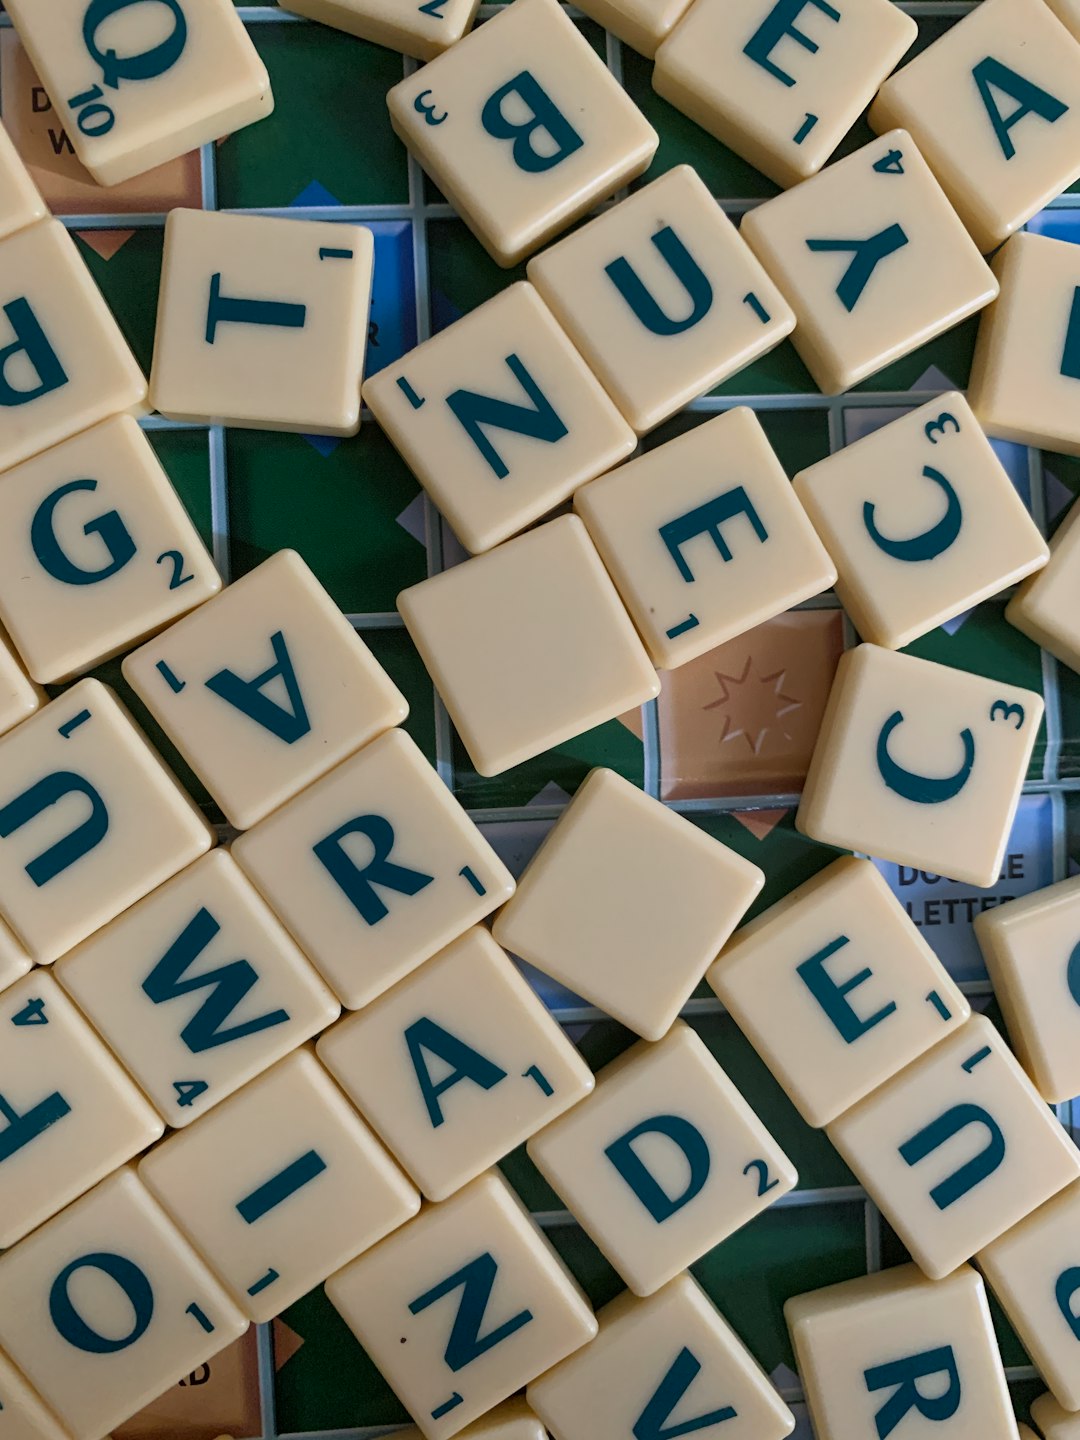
{"x":728,"y":742}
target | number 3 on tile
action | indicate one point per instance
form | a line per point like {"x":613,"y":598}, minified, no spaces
{"x":1000,"y":710}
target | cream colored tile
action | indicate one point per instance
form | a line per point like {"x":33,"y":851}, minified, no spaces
{"x":91,"y":818}
{"x":14,"y":961}
{"x":663,"y":1161}
{"x":896,"y":1351}
{"x":23,"y":1414}
{"x":919,"y":763}
{"x":279,"y":1186}
{"x":478,"y":1295}
{"x":107,"y":1305}
{"x":64,"y":364}
{"x":19,"y":696}
{"x":523,"y":664}
{"x":620,"y":881}
{"x":1054,"y":1422}
{"x":704,"y":538}
{"x":641,"y":24}
{"x":185,"y":79}
{"x":221,"y":1396}
{"x":957,"y":1148}
{"x":20,"y":200}
{"x":1047,"y":606}
{"x":523,"y":128}
{"x":420,"y":29}
{"x":781,"y":85}
{"x":1034,"y":1270}
{"x":662,"y":297}
{"x":499,"y":417}
{"x":672,"y":1352}
{"x":512,"y":1421}
{"x":262,"y":322}
{"x":457,"y":1065}
{"x":164,"y":987}
{"x":922,"y":521}
{"x":1032,"y":951}
{"x":374,"y":869}
{"x":71,"y":1115}
{"x":873,"y":260}
{"x":96,"y":551}
{"x":1068,"y":12}
{"x":265,"y":689}
{"x":836,"y":989}
{"x":994,"y":106}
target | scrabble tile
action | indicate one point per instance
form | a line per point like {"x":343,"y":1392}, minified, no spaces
{"x":96,"y":551}
{"x":673,"y":1353}
{"x":873,"y":260}
{"x":463,"y":1306}
{"x":922,"y":521}
{"x":528,"y":645}
{"x":956,"y":1148}
{"x":621,"y":880}
{"x":164,"y":988}
{"x":265,"y":689}
{"x":1045,"y":606}
{"x":457,"y":1065}
{"x":662,"y":297}
{"x":1027,"y":356}
{"x":681,"y":529}
{"x":894,"y":1351}
{"x":663,"y":1161}
{"x":374,"y":869}
{"x":262,"y":322}
{"x":641,"y":24}
{"x":994,"y":106}
{"x":107,"y":1305}
{"x":523,"y":128}
{"x":836,"y":989}
{"x":23,"y":1415}
{"x":64,"y":364}
{"x":423,"y":30}
{"x":19,"y":696}
{"x":14,"y":961}
{"x":733,"y":66}
{"x":71,"y":1115}
{"x":280,"y":1185}
{"x":920,"y":764}
{"x":512,"y":1421}
{"x":1034,"y":1270}
{"x":92,"y":820}
{"x":172,"y":82}
{"x":1068,"y":12}
{"x":20,"y":200}
{"x":1054,"y":1422}
{"x":524,"y":425}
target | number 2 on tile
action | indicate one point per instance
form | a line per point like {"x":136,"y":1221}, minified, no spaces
{"x":764,"y":1183}
{"x":178,"y":576}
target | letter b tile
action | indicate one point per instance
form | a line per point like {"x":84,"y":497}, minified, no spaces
{"x":957,"y":1148}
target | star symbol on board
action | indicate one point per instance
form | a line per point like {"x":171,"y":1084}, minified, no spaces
{"x":758,"y":705}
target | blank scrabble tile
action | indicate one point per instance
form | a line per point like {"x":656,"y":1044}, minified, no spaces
{"x":1054,"y":1422}
{"x":662,"y":297}
{"x":873,"y":260}
{"x":620,"y":881}
{"x":14,"y":961}
{"x":523,"y":128}
{"x":419,"y":28}
{"x":1034,"y":1270}
{"x":265,"y":689}
{"x":107,"y":1305}
{"x":456,"y":1066}
{"x":663,"y":1161}
{"x":922,"y":521}
{"x":672,"y":1354}
{"x":374,"y":869}
{"x":704,"y":538}
{"x":894,"y":1351}
{"x":71,"y":1115}
{"x":64,"y":364}
{"x":957,"y":1148}
{"x":528,"y":645}
{"x":512,"y":1421}
{"x":91,"y":819}
{"x":836,"y":989}
{"x":1045,"y":607}
{"x":96,"y":551}
{"x":919,"y":763}
{"x":197,"y":988}
{"x":23,"y":1414}
{"x":20,"y":200}
{"x":641,"y":24}
{"x":262,"y":322}
{"x":280,"y":1185}
{"x":19,"y":696}
{"x":1026,"y":368}
{"x":403,"y":1301}
{"x":190,"y":77}
{"x":1068,"y":12}
{"x":499,"y":417}
{"x":781,"y":85}
{"x":994,"y":106}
